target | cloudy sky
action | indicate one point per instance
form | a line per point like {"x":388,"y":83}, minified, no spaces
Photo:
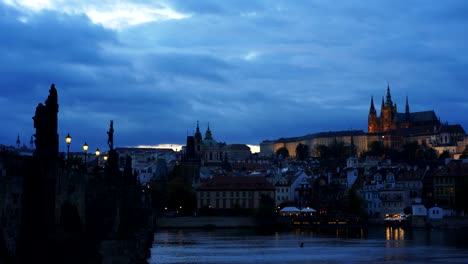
{"x":253,"y":70}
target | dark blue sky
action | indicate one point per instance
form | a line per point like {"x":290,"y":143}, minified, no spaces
{"x":253,"y":70}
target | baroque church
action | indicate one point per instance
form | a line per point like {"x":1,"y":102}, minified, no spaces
{"x":209,"y":151}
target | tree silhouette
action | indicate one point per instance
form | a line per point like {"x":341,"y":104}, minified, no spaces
{"x":409,"y":151}
{"x":283,"y":151}
{"x":302,"y":151}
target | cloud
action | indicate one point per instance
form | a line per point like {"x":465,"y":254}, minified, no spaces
{"x":253,"y":69}
{"x":110,"y":14}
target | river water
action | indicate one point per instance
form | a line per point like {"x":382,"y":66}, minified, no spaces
{"x":373,"y":245}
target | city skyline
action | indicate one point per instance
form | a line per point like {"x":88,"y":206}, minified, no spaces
{"x":252,"y":70}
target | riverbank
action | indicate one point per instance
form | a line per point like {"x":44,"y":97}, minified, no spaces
{"x":206,"y":222}
{"x":448,"y":222}
{"x":249,"y":222}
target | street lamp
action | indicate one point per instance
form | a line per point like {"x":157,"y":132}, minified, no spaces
{"x":98,"y":152}
{"x":85,"y":150}
{"x":68,"y":141}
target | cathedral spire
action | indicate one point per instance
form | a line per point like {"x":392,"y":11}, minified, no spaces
{"x":18,"y":141}
{"x":208,"y":134}
{"x":198,"y":135}
{"x":372,"y":108}
{"x":407,"y":111}
{"x":389,"y":97}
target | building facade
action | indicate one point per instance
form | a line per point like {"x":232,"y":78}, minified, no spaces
{"x":230,"y":192}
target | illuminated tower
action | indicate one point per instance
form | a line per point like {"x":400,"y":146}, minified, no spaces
{"x":372,"y":119}
{"x":388,"y":113}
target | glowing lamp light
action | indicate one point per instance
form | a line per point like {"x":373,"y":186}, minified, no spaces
{"x":68,"y":139}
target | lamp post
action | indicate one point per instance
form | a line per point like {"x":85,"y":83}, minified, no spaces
{"x":68,"y":141}
{"x":98,"y":152}
{"x":85,"y":150}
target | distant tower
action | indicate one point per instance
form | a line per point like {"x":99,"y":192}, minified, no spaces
{"x":388,"y":116}
{"x":208,"y":135}
{"x":198,"y":140}
{"x":407,"y":121}
{"x":372,"y":119}
{"x":31,"y":143}
{"x":190,"y":152}
{"x":18,"y":142}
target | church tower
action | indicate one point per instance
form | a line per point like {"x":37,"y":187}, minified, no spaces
{"x":198,"y":140}
{"x":388,"y":116}
{"x":208,"y":135}
{"x":372,"y":126}
{"x":407,"y":121}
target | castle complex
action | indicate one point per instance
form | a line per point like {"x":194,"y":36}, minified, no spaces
{"x":390,"y":120}
{"x":392,"y":128}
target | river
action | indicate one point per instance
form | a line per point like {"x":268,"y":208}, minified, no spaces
{"x":373,"y":245}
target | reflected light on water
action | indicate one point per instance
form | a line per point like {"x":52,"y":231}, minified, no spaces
{"x":397,"y":233}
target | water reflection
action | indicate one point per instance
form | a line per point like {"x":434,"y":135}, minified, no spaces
{"x":394,"y":233}
{"x":373,"y":245}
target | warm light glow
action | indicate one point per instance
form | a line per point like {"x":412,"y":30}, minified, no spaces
{"x":98,"y":152}
{"x":174,"y":147}
{"x":254,"y":148}
{"x":85,"y":147}
{"x":105,"y":157}
{"x":68,"y":139}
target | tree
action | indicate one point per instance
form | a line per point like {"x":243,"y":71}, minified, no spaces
{"x":283,"y":151}
{"x":376,"y":148}
{"x":323,"y":151}
{"x":409,"y":151}
{"x":426,"y":153}
{"x":179,"y":189}
{"x":337,"y":150}
{"x":445,"y":155}
{"x":265,"y":214}
{"x":302,"y":151}
{"x":356,"y":202}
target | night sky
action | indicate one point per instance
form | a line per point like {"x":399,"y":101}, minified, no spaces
{"x":253,"y":70}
